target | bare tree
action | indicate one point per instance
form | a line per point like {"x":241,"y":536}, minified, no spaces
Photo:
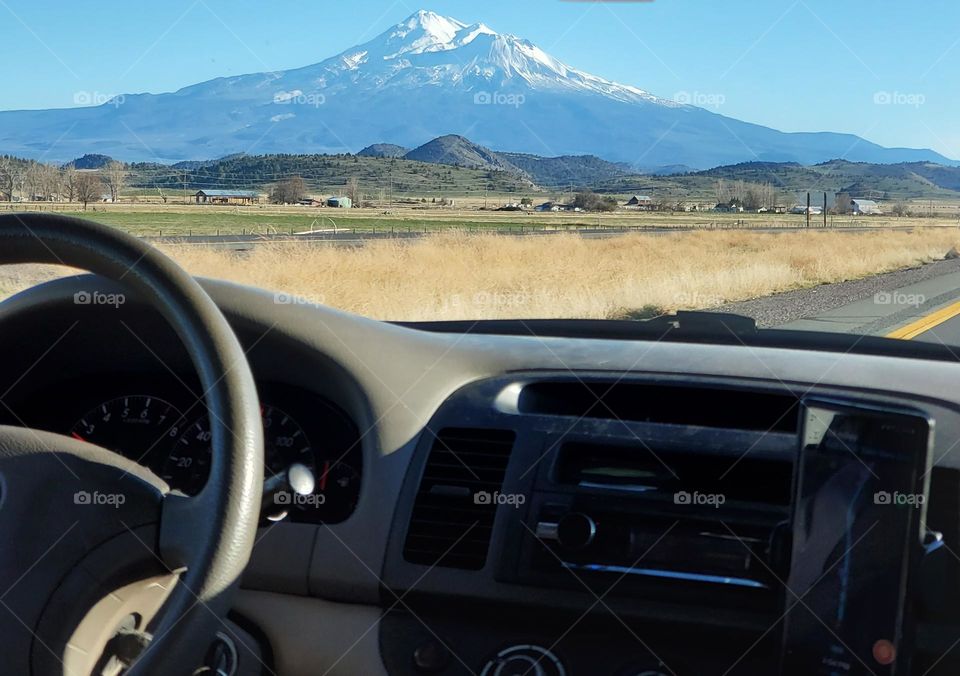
{"x":843,"y":204}
{"x":88,"y":188}
{"x":31,"y":181}
{"x":115,"y":174}
{"x":352,"y":190}
{"x":758,"y":195}
{"x":900,"y":208}
{"x":7,"y":180}
{"x":288,"y":191}
{"x":44,"y":181}
{"x":12,"y":174}
{"x":69,"y":181}
{"x":721,"y":191}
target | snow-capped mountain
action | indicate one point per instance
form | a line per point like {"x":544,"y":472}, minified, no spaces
{"x":425,"y":77}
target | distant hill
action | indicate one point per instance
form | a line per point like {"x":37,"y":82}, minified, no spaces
{"x":330,"y":173}
{"x":455,"y":165}
{"x":383,"y":150}
{"x":197,"y":164}
{"x":461,"y":152}
{"x":566,"y":171}
{"x":911,"y":180}
{"x":667,"y":170}
{"x":90,"y":161}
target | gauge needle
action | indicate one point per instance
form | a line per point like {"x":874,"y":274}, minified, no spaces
{"x":323,"y":476}
{"x":77,"y":436}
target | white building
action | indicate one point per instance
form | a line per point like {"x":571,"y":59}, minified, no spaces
{"x":864,"y":207}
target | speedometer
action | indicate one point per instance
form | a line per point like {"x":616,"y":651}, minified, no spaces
{"x":334,"y":463}
{"x":284,"y":443}
{"x":136,"y":426}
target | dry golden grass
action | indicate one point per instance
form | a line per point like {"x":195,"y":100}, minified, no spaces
{"x":464,"y":276}
{"x":14,"y":278}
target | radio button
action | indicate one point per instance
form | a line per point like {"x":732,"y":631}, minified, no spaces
{"x":547,"y":531}
{"x":576,"y":531}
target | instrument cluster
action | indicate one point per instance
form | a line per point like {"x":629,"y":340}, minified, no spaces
{"x":170,"y":435}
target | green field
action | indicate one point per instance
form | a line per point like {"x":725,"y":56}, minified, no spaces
{"x":153,"y":220}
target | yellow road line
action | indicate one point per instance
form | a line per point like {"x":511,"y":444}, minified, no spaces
{"x":915,"y":328}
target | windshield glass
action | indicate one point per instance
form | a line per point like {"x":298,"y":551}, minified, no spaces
{"x":792,"y":162}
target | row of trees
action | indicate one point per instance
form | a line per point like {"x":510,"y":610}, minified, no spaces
{"x":31,"y":180}
{"x":750,"y":196}
{"x":591,"y":201}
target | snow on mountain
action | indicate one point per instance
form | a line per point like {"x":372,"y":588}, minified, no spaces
{"x":426,"y":77}
{"x":430,"y":49}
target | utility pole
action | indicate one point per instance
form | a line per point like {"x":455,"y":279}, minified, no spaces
{"x":824,"y":209}
{"x":808,"y":210}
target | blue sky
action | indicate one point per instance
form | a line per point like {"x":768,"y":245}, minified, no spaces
{"x":886,"y":70}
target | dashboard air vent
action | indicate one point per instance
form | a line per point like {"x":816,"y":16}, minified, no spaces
{"x":663,"y":403}
{"x":452,"y":519}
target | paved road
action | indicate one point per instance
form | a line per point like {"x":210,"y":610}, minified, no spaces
{"x":927,"y":310}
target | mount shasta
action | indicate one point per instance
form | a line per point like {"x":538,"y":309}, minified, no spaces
{"x":425,"y":77}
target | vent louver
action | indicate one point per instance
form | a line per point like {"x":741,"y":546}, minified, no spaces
{"x":449,"y":527}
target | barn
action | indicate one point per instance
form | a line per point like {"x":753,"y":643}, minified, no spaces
{"x":340,"y":202}
{"x":227,"y":197}
{"x":862,"y":207}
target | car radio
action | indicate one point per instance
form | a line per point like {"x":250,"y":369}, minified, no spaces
{"x":774,"y":535}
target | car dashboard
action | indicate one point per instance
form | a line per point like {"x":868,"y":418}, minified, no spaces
{"x":500,"y":504}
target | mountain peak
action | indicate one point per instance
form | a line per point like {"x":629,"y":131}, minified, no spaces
{"x":432,"y":22}
{"x":423,"y":31}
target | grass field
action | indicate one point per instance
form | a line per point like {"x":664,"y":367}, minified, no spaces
{"x":153,"y":220}
{"x":458,"y":275}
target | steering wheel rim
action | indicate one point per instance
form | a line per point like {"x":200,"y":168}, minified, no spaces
{"x":209,"y":536}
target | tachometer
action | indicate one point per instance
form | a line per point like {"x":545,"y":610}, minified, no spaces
{"x":136,"y":426}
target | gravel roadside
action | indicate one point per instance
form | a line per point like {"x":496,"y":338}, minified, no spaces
{"x":779,"y":309}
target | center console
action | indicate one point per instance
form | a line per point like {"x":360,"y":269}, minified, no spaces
{"x":592,"y":525}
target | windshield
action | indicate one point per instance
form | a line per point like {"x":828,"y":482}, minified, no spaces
{"x":796,"y":163}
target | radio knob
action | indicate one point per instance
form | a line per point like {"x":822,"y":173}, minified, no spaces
{"x":524,"y":660}
{"x":576,"y":531}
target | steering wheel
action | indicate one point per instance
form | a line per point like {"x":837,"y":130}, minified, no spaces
{"x":102,"y":568}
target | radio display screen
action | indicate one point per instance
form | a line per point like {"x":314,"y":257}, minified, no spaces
{"x":860,"y":499}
